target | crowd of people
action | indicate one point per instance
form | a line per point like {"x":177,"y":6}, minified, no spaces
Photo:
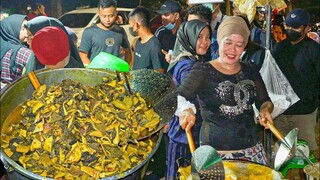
{"x":213,"y":59}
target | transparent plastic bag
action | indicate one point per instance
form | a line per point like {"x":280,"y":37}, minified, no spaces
{"x":279,"y":89}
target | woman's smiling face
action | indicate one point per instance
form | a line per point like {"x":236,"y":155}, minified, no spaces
{"x":203,"y":42}
{"x":230,"y":48}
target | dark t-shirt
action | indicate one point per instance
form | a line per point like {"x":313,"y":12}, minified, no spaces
{"x":148,"y":55}
{"x":166,"y":38}
{"x":254,"y":54}
{"x":95,"y":40}
{"x":226,"y":104}
{"x":300,"y":64}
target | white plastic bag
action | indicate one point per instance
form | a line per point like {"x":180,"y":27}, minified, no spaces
{"x":278,"y":87}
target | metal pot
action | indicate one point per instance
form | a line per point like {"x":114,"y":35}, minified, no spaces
{"x":160,"y":92}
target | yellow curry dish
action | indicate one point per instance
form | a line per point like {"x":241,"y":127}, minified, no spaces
{"x":73,"y":131}
{"x":248,"y":171}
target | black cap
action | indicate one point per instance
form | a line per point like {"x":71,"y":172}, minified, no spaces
{"x":297,"y":17}
{"x":168,"y":7}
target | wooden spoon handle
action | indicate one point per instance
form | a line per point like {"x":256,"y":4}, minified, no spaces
{"x":190,"y":141}
{"x":34,"y":80}
{"x":275,"y":131}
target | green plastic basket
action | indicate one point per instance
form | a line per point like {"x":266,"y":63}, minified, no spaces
{"x":106,"y":60}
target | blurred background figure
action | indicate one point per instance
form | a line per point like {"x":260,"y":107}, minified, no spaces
{"x":171,"y":18}
{"x":278,"y":31}
{"x":147,"y":51}
{"x":253,"y":53}
{"x":200,"y":12}
{"x":35,"y":10}
{"x":216,"y":19}
{"x":14,"y":53}
{"x":72,"y":35}
{"x":217,"y":16}
{"x":258,"y":33}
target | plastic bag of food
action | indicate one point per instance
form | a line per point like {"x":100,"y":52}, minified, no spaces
{"x":247,"y":7}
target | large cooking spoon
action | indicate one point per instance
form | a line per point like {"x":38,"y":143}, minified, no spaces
{"x":34,"y":80}
{"x":156,"y":88}
{"x":159,"y":92}
{"x":205,"y":160}
{"x":284,"y":151}
{"x":288,"y":145}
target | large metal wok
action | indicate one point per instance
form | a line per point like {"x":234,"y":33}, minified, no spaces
{"x":156,"y":88}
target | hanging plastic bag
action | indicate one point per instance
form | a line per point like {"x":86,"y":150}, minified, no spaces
{"x":247,"y":7}
{"x":277,"y":85}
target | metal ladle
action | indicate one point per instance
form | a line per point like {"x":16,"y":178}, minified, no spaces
{"x":206,"y":161}
{"x":289,"y":145}
{"x":160,"y":93}
{"x":284,"y":152}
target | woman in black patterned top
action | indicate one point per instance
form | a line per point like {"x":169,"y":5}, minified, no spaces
{"x":227,"y":89}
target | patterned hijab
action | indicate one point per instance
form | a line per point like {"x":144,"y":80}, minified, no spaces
{"x":186,"y":41}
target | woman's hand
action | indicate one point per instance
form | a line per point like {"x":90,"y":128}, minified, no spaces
{"x":187,"y":119}
{"x":265,"y":114}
